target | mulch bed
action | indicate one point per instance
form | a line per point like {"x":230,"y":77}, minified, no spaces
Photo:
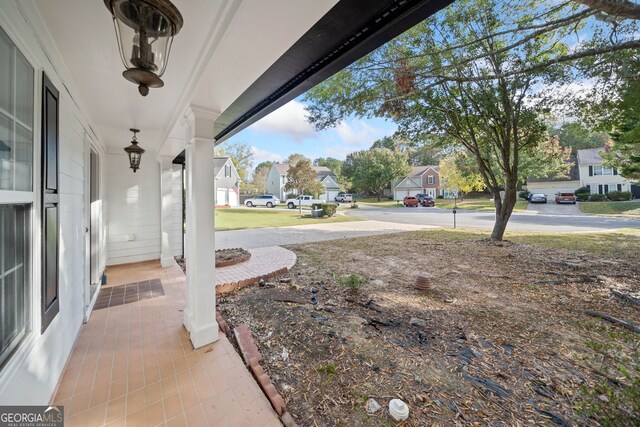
{"x":501,"y":338}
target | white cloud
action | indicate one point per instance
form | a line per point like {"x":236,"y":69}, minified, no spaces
{"x":288,"y":120}
{"x":260,"y":155}
{"x":358,"y":133}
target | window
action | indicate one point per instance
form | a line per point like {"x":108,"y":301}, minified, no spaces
{"x":602,"y":170}
{"x":430,"y":179}
{"x":16,"y":194}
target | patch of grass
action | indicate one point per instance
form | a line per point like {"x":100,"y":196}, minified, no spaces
{"x":383,"y":203}
{"x":611,"y":208}
{"x":239,"y":219}
{"x":328,"y":370}
{"x":613,"y":406}
{"x":352,"y":281}
{"x":621,"y":242}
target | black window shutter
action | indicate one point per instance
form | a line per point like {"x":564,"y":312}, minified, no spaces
{"x":50,"y":202}
{"x":589,"y":188}
{"x":619,"y":187}
{"x":615,"y":171}
{"x":600,"y":189}
{"x":590,"y":170}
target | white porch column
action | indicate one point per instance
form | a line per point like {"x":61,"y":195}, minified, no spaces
{"x":166,"y":218}
{"x":200,"y":313}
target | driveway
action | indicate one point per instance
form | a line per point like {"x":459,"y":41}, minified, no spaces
{"x":278,"y":236}
{"x":552,"y":208}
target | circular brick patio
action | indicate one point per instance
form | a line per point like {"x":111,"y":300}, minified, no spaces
{"x":265,"y":263}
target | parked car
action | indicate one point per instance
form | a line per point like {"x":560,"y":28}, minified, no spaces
{"x":538,"y":198}
{"x":427,"y":202}
{"x":268,"y":200}
{"x":304,"y":201}
{"x":343,"y":198}
{"x":566,"y":198}
{"x":410,"y":201}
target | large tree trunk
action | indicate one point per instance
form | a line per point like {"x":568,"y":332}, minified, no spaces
{"x":504,"y":208}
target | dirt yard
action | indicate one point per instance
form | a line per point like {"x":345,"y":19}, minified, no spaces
{"x":500,"y":339}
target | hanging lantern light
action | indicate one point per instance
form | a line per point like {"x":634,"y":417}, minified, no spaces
{"x":134,"y":152}
{"x":145,"y":30}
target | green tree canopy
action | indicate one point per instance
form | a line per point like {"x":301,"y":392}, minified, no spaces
{"x":301,"y":178}
{"x":577,"y":136}
{"x":373,"y":170}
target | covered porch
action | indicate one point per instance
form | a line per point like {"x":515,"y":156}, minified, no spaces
{"x":133,"y":364}
{"x":86,"y":224}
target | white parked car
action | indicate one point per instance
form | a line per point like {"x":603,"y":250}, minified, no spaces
{"x":343,"y":198}
{"x":268,"y":200}
{"x":303,"y":200}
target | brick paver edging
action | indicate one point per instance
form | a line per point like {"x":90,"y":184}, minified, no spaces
{"x":244,"y":258}
{"x":234,"y":286}
{"x":252,"y":358}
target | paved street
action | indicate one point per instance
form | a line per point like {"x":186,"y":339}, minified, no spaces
{"x":521,"y":221}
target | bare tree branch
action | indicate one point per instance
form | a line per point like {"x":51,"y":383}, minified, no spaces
{"x":619,"y":8}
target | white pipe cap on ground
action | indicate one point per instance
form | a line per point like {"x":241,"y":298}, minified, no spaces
{"x":398,"y":410}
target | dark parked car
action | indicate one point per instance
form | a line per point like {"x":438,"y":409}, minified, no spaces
{"x":410,"y":201}
{"x":427,"y":202}
{"x":538,"y":198}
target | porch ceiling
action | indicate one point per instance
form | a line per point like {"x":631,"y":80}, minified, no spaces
{"x":223,"y":47}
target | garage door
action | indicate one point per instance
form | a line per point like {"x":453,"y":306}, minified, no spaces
{"x":233,"y":198}
{"x":401,"y":194}
{"x":331,"y":195}
{"x":221,"y":197}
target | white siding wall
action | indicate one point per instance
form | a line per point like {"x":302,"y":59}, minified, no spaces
{"x":274,"y":182}
{"x":32,"y":373}
{"x":133,"y":217}
{"x":176,"y":196}
{"x":596,"y":180}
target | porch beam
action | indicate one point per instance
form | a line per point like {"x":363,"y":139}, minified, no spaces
{"x":200,"y":313}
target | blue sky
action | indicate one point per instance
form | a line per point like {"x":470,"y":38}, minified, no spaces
{"x":286,"y":131}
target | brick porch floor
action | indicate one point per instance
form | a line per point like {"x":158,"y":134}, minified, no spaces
{"x":133,"y":365}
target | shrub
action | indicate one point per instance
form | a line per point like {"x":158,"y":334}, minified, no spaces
{"x":618,"y":196}
{"x":597,"y":198}
{"x":582,"y":197}
{"x":292,"y":196}
{"x":440,"y":197}
{"x":316,"y":206}
{"x":353,"y":281}
{"x":582,"y":190}
{"x":524,"y":195}
{"x":328,"y":209}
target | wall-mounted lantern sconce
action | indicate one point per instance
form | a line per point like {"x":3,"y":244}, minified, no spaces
{"x":134,"y":152}
{"x":145,"y":30}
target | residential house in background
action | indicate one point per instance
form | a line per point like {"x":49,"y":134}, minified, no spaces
{"x":421,"y":180}
{"x":589,"y":171}
{"x":277,"y":179}
{"x":551,"y":186}
{"x":227,"y":182}
{"x":599,"y":178}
